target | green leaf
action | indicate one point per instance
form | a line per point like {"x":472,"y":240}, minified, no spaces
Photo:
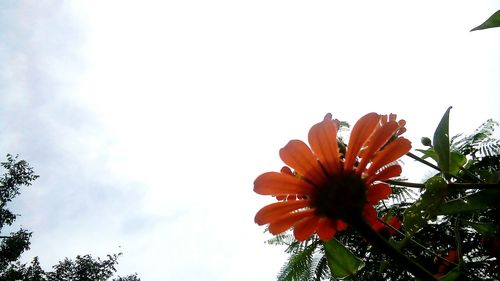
{"x":441,"y":143}
{"x":342,"y":261}
{"x":426,"y":207}
{"x":453,"y":275}
{"x":481,"y":227}
{"x":428,"y":153}
{"x":480,"y":200}
{"x":457,"y":160}
{"x":493,"y":21}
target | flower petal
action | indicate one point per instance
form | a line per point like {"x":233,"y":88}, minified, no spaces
{"x":393,"y":151}
{"x":323,"y":140}
{"x":385,"y":174}
{"x":370,"y":215}
{"x":378,"y":226}
{"x":340,"y":225}
{"x":380,"y":137}
{"x":378,"y":192}
{"x":305,"y":228}
{"x":299,"y":156}
{"x":276,"y":210}
{"x":287,"y":221}
{"x":274,"y":183}
{"x":286,"y":170}
{"x":326,"y":229}
{"x":359,"y":134}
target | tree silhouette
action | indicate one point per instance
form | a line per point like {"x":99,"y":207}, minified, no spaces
{"x":19,"y":174}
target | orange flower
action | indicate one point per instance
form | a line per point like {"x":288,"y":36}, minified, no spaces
{"x":327,"y":190}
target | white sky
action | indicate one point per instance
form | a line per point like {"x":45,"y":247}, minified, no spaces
{"x":149,"y":120}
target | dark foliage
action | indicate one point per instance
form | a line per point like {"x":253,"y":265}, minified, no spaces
{"x":19,"y":174}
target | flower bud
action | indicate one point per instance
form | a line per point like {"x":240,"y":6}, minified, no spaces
{"x":426,"y":141}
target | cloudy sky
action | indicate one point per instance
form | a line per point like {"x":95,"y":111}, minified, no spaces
{"x":149,"y":120}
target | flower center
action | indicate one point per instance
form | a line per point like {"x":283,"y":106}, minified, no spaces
{"x":342,"y":196}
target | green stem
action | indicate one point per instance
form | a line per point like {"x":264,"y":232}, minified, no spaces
{"x":450,"y":185}
{"x":405,"y":183}
{"x":458,"y":241}
{"x":474,"y":185}
{"x":379,"y":242}
{"x":415,"y":157}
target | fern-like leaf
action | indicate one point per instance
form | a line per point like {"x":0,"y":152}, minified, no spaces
{"x":284,"y":238}
{"x":321,"y":271}
{"x":480,"y":143}
{"x":299,"y":265}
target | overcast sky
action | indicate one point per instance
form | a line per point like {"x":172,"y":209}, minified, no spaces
{"x":148,"y":121}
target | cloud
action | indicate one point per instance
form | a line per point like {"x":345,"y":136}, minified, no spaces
{"x":148,"y":122}
{"x":77,"y":206}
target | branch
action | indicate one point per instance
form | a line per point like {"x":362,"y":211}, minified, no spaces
{"x":379,"y":242}
{"x":413,"y":241}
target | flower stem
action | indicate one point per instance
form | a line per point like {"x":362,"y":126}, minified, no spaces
{"x":379,"y":242}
